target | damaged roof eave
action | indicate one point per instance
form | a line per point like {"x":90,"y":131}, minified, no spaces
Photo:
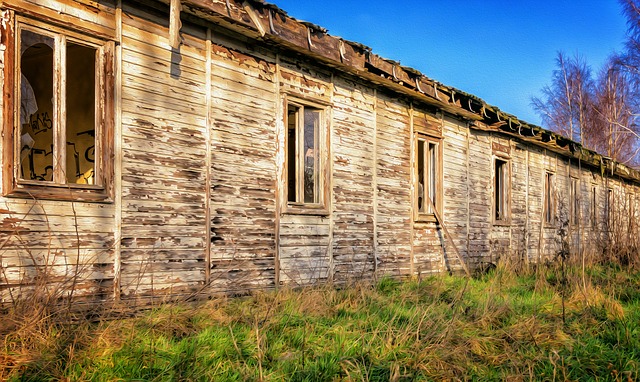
{"x":264,"y":21}
{"x":313,"y":41}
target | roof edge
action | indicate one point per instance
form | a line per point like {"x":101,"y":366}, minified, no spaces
{"x":266,"y":21}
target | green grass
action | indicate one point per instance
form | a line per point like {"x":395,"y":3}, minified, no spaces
{"x":496,"y":327}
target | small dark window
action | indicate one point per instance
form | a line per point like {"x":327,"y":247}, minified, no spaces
{"x":594,"y":207}
{"x":549,"y":202}
{"x":501,"y":190}
{"x":427,"y":175}
{"x":608,"y":208}
{"x":574,"y":201}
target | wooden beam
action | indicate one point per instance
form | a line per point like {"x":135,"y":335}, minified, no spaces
{"x":174,"y":24}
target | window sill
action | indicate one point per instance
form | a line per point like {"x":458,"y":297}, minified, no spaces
{"x":502,"y":223}
{"x":66,"y":192}
{"x":312,"y":210}
{"x":425,"y":218}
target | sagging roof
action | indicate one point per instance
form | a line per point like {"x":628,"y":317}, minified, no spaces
{"x":264,"y":21}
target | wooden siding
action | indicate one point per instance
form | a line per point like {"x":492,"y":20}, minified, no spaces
{"x":353,"y":174}
{"x":393,"y":187}
{"x":243,"y":169}
{"x":54,"y":244}
{"x":63,"y":243}
{"x":200,"y":173}
{"x":163,"y":158}
{"x":304,"y":239}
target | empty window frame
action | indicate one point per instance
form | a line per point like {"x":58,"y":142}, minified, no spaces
{"x":608,"y":208}
{"x":631,"y":212}
{"x":63,"y":121}
{"x":549,"y":198}
{"x":574,"y":201}
{"x":306,"y":154}
{"x":428,"y":171}
{"x":594,"y":207}
{"x":501,"y":190}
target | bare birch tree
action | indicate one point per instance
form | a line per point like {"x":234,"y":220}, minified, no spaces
{"x":602,"y":113}
{"x":567,"y":102}
{"x":615,"y":124}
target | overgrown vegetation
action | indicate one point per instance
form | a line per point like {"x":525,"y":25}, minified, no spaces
{"x":499,"y":326}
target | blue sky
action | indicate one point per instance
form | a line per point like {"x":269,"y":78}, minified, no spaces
{"x":501,"y":51}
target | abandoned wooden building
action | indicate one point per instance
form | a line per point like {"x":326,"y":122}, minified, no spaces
{"x":180,"y":147}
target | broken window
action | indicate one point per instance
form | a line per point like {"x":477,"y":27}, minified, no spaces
{"x":427,"y":175}
{"x":305,"y":152}
{"x":574,"y":201}
{"x":549,"y":202}
{"x":501,"y":190}
{"x":65,"y":89}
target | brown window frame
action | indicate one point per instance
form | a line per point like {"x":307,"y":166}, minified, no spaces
{"x":594,"y":206}
{"x":430,"y":179}
{"x":608,"y":208}
{"x":501,"y":191}
{"x":297,"y":204}
{"x":58,"y":189}
{"x":574,"y":200}
{"x":631,"y":212}
{"x":549,"y":202}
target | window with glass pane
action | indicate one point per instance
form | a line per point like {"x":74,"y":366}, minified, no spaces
{"x":594,"y":207}
{"x":500,"y":190}
{"x":608,"y":208}
{"x":427,"y":174}
{"x":574,"y":201}
{"x":549,"y":202}
{"x":304,"y":165}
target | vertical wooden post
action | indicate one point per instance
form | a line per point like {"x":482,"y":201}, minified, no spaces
{"x":468,"y":184}
{"x":207,"y":136}
{"x":59,"y":111}
{"x":412,"y":190}
{"x":117,"y":165}
{"x":9,"y":173}
{"x":375,"y":182}
{"x":174,"y":24}
{"x":527,"y":226}
{"x":329,"y":178}
{"x":279,"y":163}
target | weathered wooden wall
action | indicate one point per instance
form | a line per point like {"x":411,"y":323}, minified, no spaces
{"x":304,"y":240}
{"x":353,"y":137}
{"x":243,"y":110}
{"x":164,"y":172}
{"x":57,"y":246}
{"x":199,"y":205}
{"x":393,"y":218}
